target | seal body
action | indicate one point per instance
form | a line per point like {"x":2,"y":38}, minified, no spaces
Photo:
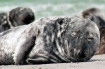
{"x":94,"y":14}
{"x":65,"y":40}
{"x":16,"y":17}
{"x":50,"y":40}
{"x":101,"y":49}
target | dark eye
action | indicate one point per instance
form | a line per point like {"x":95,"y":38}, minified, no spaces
{"x":90,"y":38}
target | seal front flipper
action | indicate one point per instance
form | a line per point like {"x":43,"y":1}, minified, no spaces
{"x":23,"y":49}
{"x":25,"y":44}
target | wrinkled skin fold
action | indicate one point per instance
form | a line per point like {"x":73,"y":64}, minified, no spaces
{"x":50,"y":40}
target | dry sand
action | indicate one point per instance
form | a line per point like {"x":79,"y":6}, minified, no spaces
{"x":97,"y":62}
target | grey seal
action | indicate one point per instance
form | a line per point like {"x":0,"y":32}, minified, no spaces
{"x":101,"y":48}
{"x":94,"y":14}
{"x":50,"y":40}
{"x":16,"y":17}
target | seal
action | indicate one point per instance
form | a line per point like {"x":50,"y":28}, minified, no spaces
{"x":16,"y":17}
{"x":50,"y":40}
{"x":21,"y":15}
{"x":65,"y":40}
{"x":4,"y":25}
{"x":94,"y":14}
{"x":101,"y":49}
{"x":16,"y":44}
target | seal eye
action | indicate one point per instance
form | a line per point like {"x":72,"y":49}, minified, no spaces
{"x":90,"y":38}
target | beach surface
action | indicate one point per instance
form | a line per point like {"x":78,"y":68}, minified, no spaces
{"x":96,"y":62}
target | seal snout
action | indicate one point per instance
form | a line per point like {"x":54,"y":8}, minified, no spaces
{"x":78,"y":53}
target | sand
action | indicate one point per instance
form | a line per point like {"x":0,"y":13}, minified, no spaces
{"x":97,"y":62}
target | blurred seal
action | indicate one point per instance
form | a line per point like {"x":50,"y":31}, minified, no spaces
{"x":21,"y":16}
{"x":101,"y":49}
{"x":94,"y":14}
{"x":16,"y":17}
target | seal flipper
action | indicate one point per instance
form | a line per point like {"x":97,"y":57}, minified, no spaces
{"x":24,"y":49}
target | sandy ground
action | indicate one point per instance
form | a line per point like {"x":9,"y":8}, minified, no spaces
{"x":97,"y":62}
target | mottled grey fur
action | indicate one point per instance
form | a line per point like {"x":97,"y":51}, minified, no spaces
{"x":50,"y":40}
